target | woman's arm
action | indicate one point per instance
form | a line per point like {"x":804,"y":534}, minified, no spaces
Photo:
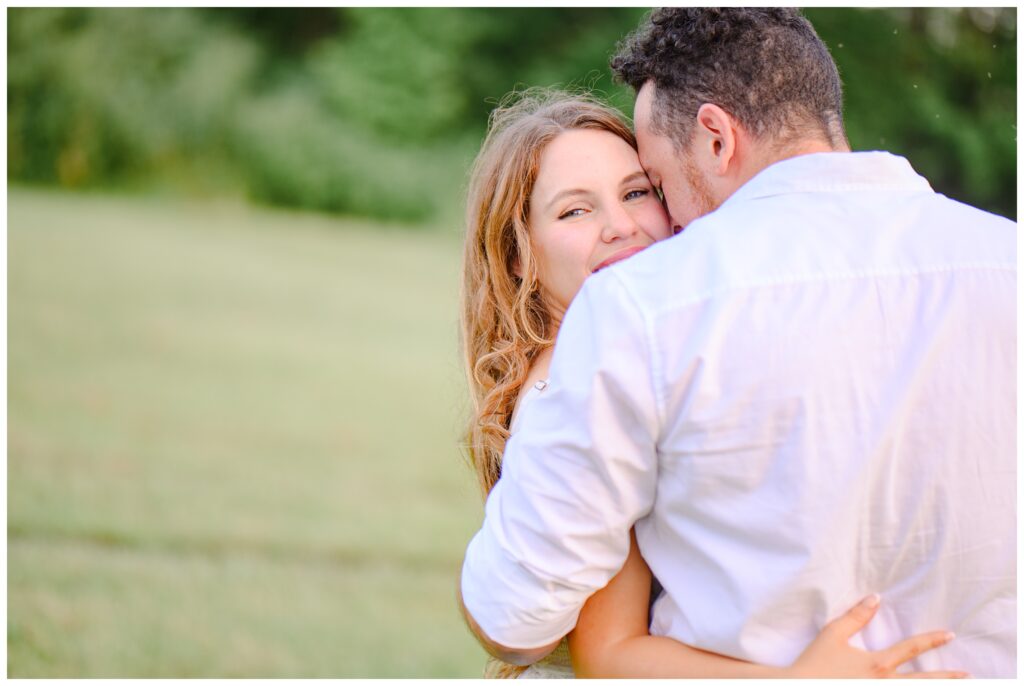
{"x":611,"y":640}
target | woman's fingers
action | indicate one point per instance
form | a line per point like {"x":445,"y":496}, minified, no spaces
{"x":856,"y":619}
{"x":933,"y":675}
{"x":907,"y":650}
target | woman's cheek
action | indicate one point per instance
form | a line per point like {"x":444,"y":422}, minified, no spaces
{"x":658,"y":223}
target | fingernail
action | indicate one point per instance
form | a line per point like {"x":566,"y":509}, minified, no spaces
{"x":872,"y":601}
{"x":949,"y":636}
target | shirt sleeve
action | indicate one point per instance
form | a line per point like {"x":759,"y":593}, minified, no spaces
{"x":576,"y":476}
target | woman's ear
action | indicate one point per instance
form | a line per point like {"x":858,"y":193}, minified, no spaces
{"x":716,"y":137}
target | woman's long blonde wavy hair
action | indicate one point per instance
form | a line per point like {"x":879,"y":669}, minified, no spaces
{"x":505,"y":321}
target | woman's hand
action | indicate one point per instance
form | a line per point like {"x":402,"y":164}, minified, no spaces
{"x":832,"y":656}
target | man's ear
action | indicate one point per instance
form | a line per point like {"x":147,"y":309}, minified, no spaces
{"x":716,"y":137}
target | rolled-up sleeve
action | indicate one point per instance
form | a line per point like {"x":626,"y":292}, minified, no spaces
{"x":576,"y":476}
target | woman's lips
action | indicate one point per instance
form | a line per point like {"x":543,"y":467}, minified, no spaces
{"x":618,"y":257}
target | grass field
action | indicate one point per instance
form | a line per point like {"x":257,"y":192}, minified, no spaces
{"x":232,"y":443}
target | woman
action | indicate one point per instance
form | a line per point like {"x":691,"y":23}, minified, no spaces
{"x":557,"y":193}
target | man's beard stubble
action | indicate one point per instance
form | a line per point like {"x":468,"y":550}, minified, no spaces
{"x":701,"y":190}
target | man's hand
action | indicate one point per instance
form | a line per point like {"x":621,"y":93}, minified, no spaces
{"x":513,"y":656}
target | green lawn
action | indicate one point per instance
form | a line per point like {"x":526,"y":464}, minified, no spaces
{"x":232,"y":443}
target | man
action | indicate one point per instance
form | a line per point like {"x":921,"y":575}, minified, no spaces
{"x":806,"y":397}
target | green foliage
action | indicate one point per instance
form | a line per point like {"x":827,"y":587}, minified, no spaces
{"x":96,"y":96}
{"x":377,"y":111}
{"x":291,"y":152}
{"x":397,"y":72}
{"x":938,"y":87}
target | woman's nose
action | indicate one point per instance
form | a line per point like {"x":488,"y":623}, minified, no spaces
{"x":619,"y":223}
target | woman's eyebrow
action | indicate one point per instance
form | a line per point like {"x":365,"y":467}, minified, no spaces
{"x":635,"y":176}
{"x":566,"y":193}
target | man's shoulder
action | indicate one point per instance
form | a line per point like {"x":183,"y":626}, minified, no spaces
{"x":770,"y":240}
{"x":676,"y":272}
{"x":957,"y":209}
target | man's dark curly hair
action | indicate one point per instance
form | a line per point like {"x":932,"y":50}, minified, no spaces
{"x":766,"y":67}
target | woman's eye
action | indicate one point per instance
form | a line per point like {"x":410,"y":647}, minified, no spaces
{"x":572,"y":213}
{"x":632,"y":195}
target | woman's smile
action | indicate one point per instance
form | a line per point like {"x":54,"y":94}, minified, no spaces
{"x":618,"y":257}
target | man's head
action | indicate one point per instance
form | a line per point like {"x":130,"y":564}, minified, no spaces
{"x":723,"y":93}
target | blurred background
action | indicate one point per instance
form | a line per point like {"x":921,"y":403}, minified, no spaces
{"x":234,"y":389}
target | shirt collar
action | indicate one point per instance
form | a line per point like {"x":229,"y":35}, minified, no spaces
{"x":833,"y":171}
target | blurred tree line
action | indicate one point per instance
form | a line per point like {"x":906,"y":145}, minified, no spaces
{"x":378,"y":111}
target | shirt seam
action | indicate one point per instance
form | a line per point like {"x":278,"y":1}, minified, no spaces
{"x":820,"y":278}
{"x":844,"y":187}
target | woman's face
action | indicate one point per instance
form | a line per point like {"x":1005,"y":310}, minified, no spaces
{"x":592,"y":205}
